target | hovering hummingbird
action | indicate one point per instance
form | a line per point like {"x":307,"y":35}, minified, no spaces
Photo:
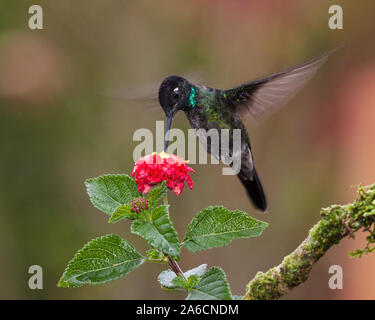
{"x":208,"y":108}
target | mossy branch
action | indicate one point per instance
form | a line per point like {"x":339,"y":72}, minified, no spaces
{"x":337,"y":222}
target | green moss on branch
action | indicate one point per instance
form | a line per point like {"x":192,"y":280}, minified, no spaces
{"x":337,"y":222}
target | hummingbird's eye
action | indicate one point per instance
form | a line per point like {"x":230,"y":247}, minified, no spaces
{"x":175,"y":93}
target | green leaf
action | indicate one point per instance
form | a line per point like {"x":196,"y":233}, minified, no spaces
{"x":188,"y":284}
{"x":179,"y":281}
{"x":159,"y":232}
{"x":199,"y":271}
{"x":155,"y":255}
{"x":167,"y":278}
{"x":108,"y":192}
{"x":156,"y":194}
{"x":212,"y":286}
{"x":192,"y":281}
{"x":217,"y":226}
{"x":102,"y":259}
{"x":123,"y":212}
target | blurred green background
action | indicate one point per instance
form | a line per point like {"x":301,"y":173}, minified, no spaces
{"x":58,"y":127}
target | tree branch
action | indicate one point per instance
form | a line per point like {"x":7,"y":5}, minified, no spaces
{"x":337,"y":222}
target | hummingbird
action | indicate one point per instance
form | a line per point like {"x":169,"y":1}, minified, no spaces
{"x":208,"y":108}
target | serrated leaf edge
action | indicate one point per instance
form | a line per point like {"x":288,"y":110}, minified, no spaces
{"x":64,"y":283}
{"x":226,"y":284}
{"x":262,"y":226}
{"x":87,"y":181}
{"x":174,"y":232}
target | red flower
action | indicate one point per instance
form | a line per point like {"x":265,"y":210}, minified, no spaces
{"x":155,"y":168}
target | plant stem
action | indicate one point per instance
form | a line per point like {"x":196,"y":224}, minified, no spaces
{"x":172,"y":263}
{"x":176,"y":268}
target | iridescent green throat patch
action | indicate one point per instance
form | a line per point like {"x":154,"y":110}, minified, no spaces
{"x":192,"y":97}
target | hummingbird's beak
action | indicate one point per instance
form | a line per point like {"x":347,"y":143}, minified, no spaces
{"x":166,"y":139}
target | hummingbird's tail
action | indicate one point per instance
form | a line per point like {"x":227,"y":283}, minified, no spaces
{"x":254,"y":189}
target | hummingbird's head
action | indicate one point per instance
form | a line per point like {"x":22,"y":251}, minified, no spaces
{"x":173,"y":96}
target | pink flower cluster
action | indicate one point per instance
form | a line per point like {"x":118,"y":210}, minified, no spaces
{"x":139,"y":205}
{"x":155,"y":168}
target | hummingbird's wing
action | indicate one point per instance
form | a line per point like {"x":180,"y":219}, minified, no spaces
{"x":264,"y":96}
{"x":145,"y":95}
